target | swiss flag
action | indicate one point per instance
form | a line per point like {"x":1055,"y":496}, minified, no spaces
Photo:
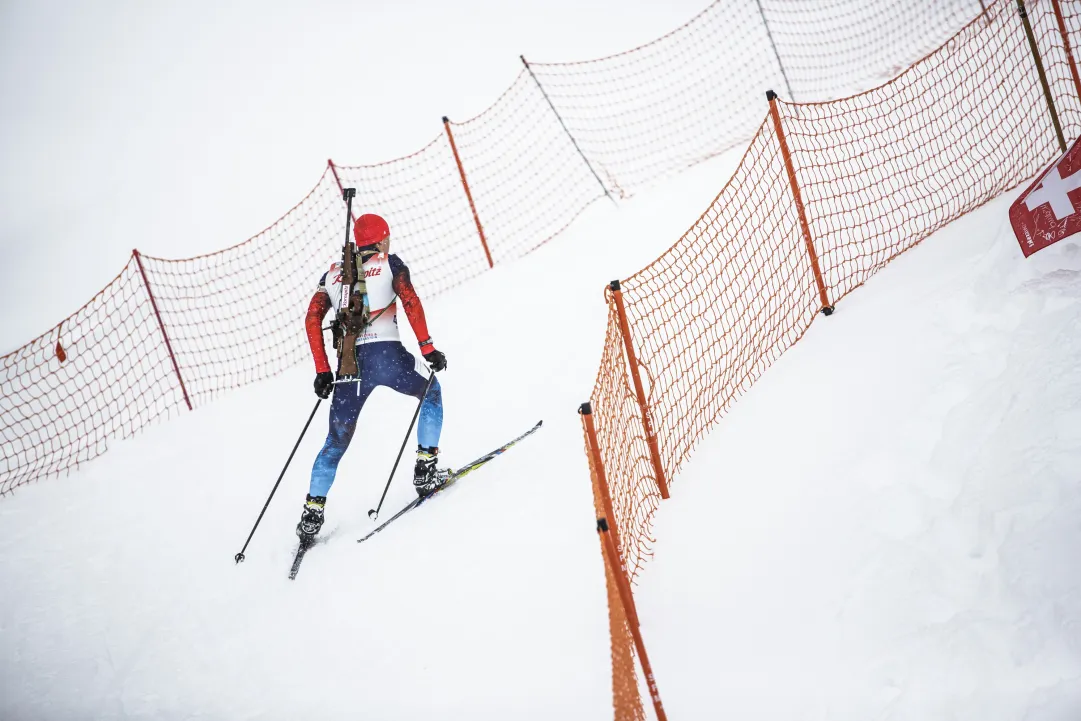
{"x":1050,"y":209}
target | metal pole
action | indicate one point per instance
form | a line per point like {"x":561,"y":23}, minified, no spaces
{"x":1023,"y":12}
{"x":161,"y":324}
{"x":805,"y":227}
{"x":374,"y":512}
{"x":565,"y":129}
{"x":240,"y":556}
{"x":468,"y":195}
{"x":632,"y":361}
{"x":776,"y":54}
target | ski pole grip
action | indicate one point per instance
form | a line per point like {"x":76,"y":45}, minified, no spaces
{"x":349,"y":193}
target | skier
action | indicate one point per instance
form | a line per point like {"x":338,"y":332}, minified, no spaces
{"x":382,"y":361}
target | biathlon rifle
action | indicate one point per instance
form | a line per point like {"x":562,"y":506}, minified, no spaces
{"x":352,"y":312}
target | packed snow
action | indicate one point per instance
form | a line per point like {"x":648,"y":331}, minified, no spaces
{"x":882,"y":528}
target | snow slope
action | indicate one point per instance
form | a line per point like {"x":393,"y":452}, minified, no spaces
{"x":885,"y":526}
{"x":121,"y":598}
{"x":880,"y":529}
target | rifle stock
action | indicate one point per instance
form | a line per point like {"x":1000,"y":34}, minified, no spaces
{"x":351,"y":310}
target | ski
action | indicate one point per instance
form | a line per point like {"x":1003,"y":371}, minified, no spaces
{"x":452,"y":479}
{"x":305,"y":543}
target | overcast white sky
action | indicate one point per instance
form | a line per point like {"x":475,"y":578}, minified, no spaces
{"x":184,"y":127}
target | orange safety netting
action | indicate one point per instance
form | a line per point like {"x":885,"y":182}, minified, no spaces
{"x":115,"y":377}
{"x":235,"y":317}
{"x":527,"y":178}
{"x":871,"y":40}
{"x":626,"y":699}
{"x":877,"y":173}
{"x":882,"y":170}
{"x":696,"y":92}
{"x":561,"y":137}
{"x":162,"y":336}
{"x":422,"y":200}
{"x":707,"y":318}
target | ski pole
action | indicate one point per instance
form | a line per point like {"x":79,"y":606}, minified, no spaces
{"x":240,"y":556}
{"x":374,"y":513}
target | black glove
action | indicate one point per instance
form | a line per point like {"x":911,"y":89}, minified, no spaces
{"x":324,"y":382}
{"x":436,"y":360}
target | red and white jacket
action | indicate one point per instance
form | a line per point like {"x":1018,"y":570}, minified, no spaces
{"x":387,"y":280}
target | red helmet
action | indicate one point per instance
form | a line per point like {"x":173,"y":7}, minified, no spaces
{"x":370,"y":229}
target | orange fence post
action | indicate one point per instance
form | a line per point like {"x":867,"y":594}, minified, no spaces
{"x":161,"y":325}
{"x":468,"y":195}
{"x":632,"y":616}
{"x":586,"y":411}
{"x":771,"y":96}
{"x":1066,"y":44}
{"x":1023,"y":12}
{"x":632,"y":360}
{"x":626,"y":700}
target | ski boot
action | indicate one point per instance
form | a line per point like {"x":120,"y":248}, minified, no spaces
{"x":311,"y":520}
{"x":426,"y":477}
